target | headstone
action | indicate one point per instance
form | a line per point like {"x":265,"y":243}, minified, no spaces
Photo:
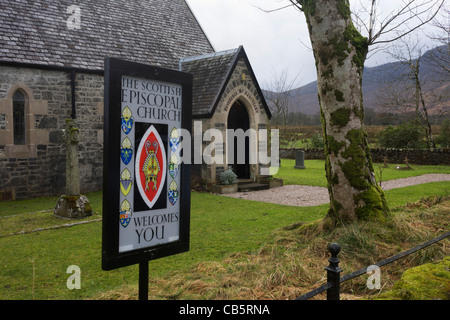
{"x":407,"y":165}
{"x":299,"y":159}
{"x":407,"y":162}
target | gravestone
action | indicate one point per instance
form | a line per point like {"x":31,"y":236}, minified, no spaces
{"x":72,"y":204}
{"x":299,"y":159}
{"x":407,"y":165}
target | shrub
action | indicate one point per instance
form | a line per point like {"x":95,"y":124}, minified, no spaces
{"x":406,"y":135}
{"x":444,"y":137}
{"x":228,"y":177}
{"x":317,"y":141}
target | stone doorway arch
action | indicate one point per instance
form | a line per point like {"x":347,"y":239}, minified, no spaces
{"x":238,"y":118}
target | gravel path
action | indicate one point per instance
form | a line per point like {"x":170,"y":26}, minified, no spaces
{"x":307,"y":196}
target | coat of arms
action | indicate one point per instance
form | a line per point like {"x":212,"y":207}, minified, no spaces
{"x":127,"y":120}
{"x":126,"y":151}
{"x":150,"y":166}
{"x":173,"y":166}
{"x":125,"y":182}
{"x":173,"y":192}
{"x":125,"y":214}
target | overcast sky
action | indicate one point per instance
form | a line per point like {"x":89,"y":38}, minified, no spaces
{"x":273,"y":41}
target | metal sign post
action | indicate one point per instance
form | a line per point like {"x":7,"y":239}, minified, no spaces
{"x":146,"y":189}
{"x":143,"y":280}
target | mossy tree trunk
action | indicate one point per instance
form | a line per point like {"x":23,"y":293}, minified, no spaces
{"x":340,"y":52}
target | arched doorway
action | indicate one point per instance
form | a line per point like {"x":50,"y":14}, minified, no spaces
{"x":238,"y":118}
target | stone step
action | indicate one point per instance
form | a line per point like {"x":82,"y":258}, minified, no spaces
{"x":244,"y":181}
{"x":252,"y":187}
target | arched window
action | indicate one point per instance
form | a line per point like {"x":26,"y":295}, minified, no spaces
{"x":19,"y":118}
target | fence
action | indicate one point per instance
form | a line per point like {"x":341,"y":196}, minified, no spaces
{"x":334,"y":279}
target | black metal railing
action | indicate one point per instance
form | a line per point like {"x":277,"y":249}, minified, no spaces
{"x":334,"y":279}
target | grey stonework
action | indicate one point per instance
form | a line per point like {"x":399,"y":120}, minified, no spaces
{"x":37,"y":54}
{"x":393,"y":156}
{"x":43,"y":173}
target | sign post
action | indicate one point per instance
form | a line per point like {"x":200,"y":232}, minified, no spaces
{"x":146,"y":190}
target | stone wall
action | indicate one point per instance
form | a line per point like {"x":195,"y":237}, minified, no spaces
{"x":38,"y":168}
{"x":395,"y":156}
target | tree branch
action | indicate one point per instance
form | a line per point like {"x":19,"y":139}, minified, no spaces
{"x":272,"y":10}
{"x":405,"y":15}
{"x":296,"y":4}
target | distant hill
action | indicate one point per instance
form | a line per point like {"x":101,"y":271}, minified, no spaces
{"x":377,"y":79}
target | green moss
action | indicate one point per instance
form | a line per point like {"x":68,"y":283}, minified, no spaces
{"x":334,"y":145}
{"x":324,"y":57}
{"x":72,"y":200}
{"x":326,"y":88}
{"x":353,"y":172}
{"x":340,"y":50}
{"x":358,"y":112}
{"x":353,"y":168}
{"x":356,"y":138}
{"x":373,"y":207}
{"x":328,"y":73}
{"x":344,"y":9}
{"x":308,"y":7}
{"x":336,"y":205}
{"x":339,"y":96}
{"x":340,"y":117}
{"x":323,"y":122}
{"x":334,"y":179}
{"x":373,"y":202}
{"x":359,"y":43}
{"x":430,"y":281}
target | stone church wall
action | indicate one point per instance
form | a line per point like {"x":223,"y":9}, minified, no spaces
{"x":40,"y":171}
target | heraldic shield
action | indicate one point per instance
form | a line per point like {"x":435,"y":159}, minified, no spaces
{"x":150,"y":166}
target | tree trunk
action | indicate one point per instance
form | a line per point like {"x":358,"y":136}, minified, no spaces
{"x":340,"y":52}
{"x":420,"y":100}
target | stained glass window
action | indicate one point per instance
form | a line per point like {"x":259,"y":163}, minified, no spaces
{"x":19,"y":118}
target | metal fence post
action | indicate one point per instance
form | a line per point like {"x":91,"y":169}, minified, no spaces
{"x":334,"y":272}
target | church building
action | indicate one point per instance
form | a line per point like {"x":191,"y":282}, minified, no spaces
{"x":52,"y":68}
{"x":226,"y":95}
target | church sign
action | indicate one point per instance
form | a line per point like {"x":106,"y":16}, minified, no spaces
{"x":146,"y":193}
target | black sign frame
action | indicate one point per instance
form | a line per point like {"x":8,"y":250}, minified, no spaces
{"x":115,"y":69}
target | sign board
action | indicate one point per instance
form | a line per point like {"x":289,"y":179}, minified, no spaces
{"x":146,"y":192}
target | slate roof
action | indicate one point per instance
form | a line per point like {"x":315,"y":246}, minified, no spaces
{"x":211,"y":73}
{"x":158,"y":32}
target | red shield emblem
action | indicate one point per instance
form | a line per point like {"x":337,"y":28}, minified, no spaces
{"x":150,"y":166}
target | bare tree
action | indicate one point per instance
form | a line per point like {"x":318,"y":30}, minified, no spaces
{"x":278,"y":96}
{"x":340,"y":51}
{"x":407,"y":93}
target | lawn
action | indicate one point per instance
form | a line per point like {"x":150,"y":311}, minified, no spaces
{"x":33,"y":265}
{"x":314,"y":174}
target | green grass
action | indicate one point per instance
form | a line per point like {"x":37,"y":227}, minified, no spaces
{"x":220,"y":226}
{"x":430,"y":281}
{"x":314,"y":174}
{"x":9,"y":208}
{"x":401,"y":196}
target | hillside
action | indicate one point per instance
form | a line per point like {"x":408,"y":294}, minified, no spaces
{"x":376,"y":82}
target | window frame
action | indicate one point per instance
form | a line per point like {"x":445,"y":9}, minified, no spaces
{"x":28,"y":149}
{"x":19,"y":118}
